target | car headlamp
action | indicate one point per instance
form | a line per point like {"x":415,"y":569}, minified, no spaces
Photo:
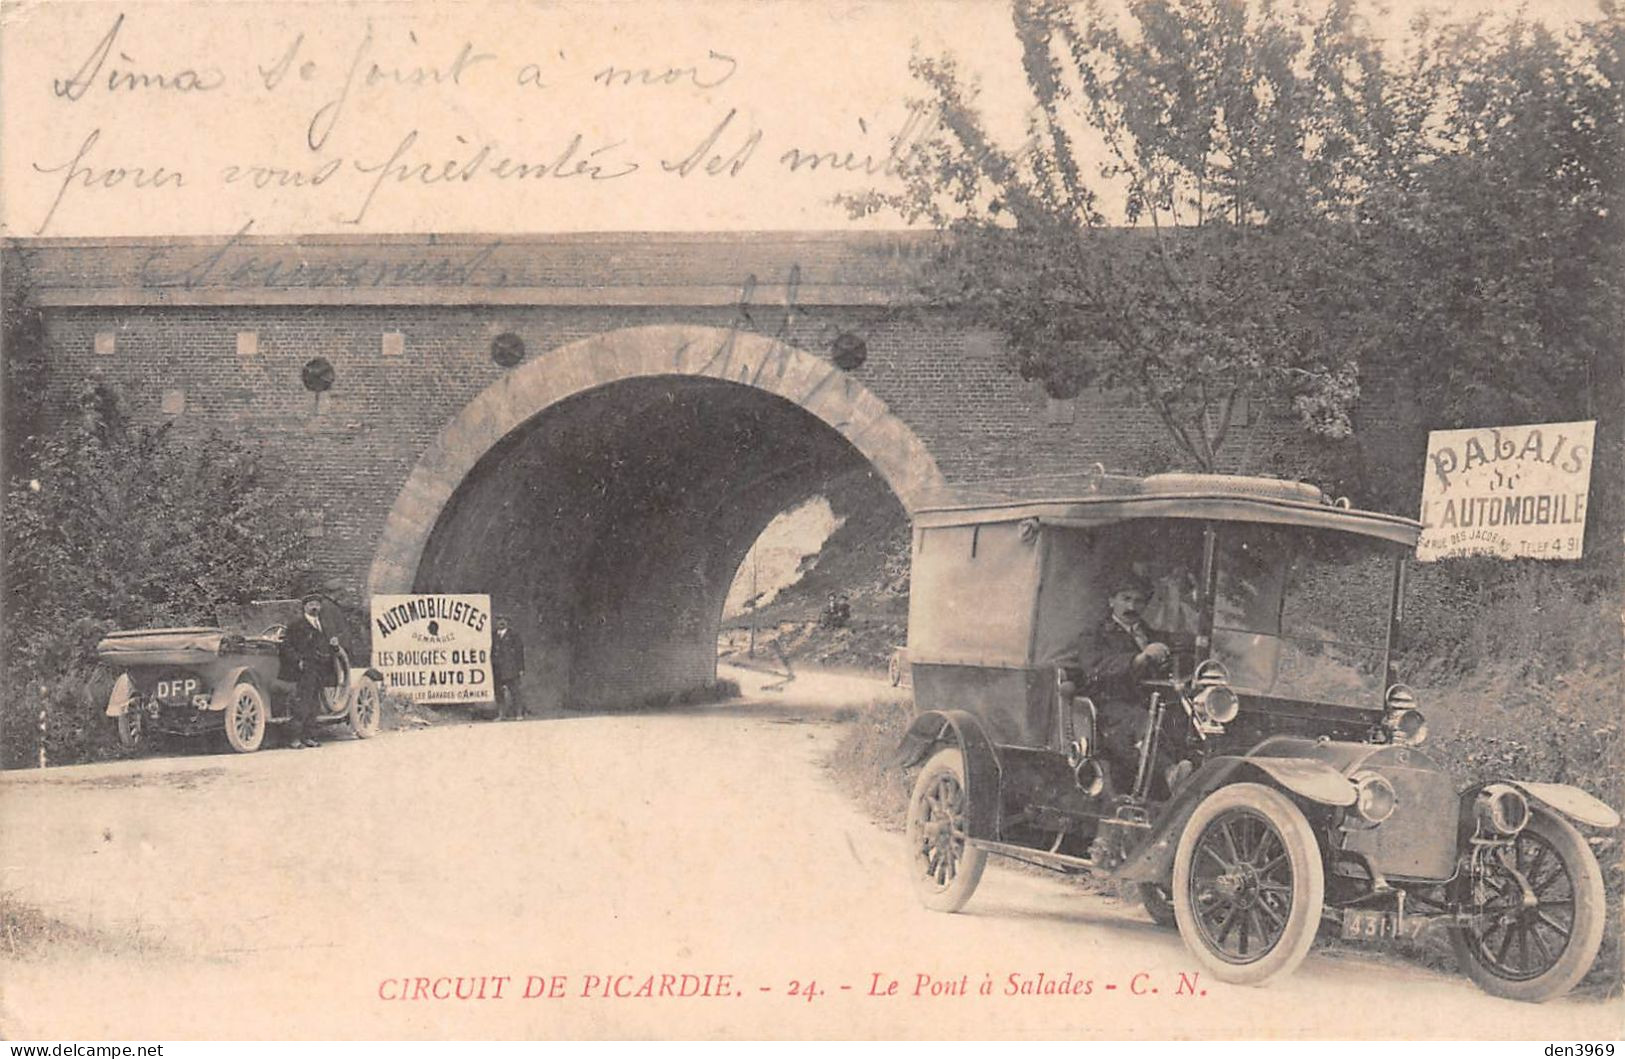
{"x":1502,"y":808}
{"x":1090,"y":777}
{"x":1218,"y":704}
{"x":1374,"y":797}
{"x":1210,"y":673}
{"x":1404,"y":722}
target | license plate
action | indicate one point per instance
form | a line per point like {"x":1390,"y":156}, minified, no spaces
{"x":1370,"y":924}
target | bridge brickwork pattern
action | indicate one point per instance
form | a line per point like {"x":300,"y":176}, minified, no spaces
{"x":175,"y":355}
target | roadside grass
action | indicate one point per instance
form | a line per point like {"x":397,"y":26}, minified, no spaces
{"x":864,"y":758}
{"x":26,"y":933}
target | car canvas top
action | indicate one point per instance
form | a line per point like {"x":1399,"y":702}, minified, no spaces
{"x":1101,"y":498}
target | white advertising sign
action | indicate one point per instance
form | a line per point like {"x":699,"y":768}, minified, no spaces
{"x":1512,"y":492}
{"x":434,"y":647}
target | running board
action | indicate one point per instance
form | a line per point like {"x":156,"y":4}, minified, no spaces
{"x":1043,"y":858}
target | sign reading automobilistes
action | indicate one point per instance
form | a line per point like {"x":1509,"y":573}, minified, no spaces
{"x":434,"y":647}
{"x":1512,"y":492}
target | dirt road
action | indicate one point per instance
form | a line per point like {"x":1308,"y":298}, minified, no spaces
{"x":704,"y":854}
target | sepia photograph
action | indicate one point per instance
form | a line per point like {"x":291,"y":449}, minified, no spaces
{"x":779,"y":520}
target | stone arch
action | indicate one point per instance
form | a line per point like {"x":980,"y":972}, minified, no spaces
{"x":605,"y":494}
{"x":728,"y":355}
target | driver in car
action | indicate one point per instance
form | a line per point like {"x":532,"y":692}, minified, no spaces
{"x":1115,"y":656}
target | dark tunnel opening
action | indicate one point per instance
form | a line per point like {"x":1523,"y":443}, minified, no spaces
{"x":609,"y":527}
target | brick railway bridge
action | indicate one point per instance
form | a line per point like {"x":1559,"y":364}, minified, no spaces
{"x":592,"y":428}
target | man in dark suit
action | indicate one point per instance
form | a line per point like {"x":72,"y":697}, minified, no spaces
{"x":507,"y":666}
{"x":311,"y":650}
{"x":1115,"y":656}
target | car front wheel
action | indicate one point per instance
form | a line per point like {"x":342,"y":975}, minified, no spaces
{"x":366,"y":710}
{"x":245,"y":718}
{"x":1538,"y":914}
{"x":944,"y":865}
{"x":132,"y":728}
{"x":1248,"y":884}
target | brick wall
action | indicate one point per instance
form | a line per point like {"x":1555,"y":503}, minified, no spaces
{"x":978,"y":419}
{"x":175,"y":354}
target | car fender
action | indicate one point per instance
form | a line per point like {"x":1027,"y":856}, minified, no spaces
{"x":1315,"y":781}
{"x":233,"y":677}
{"x":1580,"y":806}
{"x":358,"y":678}
{"x":982,"y":771}
{"x":1307,"y":778}
{"x":122,"y":695}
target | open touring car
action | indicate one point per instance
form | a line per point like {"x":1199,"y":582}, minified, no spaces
{"x":230,"y":678}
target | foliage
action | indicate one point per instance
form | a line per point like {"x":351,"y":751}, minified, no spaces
{"x":1235,"y":140}
{"x":1519,"y":675}
{"x":1496,"y":242}
{"x":26,"y":372}
{"x":1504,"y":233}
{"x":1300,"y":214}
{"x":864,"y":759}
{"x":125,"y":526}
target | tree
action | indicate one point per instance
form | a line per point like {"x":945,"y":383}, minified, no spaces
{"x":1237,"y":144}
{"x":26,"y":373}
{"x":1498,"y":252}
{"x":119,"y":525}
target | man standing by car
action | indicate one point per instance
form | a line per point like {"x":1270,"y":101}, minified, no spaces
{"x":1115,"y":656}
{"x":311,"y":649}
{"x":507,"y":666}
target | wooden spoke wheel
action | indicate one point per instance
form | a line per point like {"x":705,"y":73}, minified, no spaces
{"x":1538,"y":914}
{"x":944,"y":865}
{"x":1248,"y":884}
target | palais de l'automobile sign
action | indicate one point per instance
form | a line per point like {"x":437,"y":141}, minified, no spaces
{"x":1512,"y":492}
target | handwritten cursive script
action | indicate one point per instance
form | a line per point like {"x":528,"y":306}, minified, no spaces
{"x":88,"y":76}
{"x":443,"y":116}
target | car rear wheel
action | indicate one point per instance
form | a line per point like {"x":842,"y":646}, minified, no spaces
{"x":245,"y":718}
{"x":944,"y":865}
{"x":1248,"y":884}
{"x":1539,"y":907}
{"x":366,"y":710}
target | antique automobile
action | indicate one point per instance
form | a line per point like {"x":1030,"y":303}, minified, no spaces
{"x":1277,"y":785}
{"x":230,"y":678}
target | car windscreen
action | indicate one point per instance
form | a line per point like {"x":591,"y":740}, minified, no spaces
{"x":1303,"y":615}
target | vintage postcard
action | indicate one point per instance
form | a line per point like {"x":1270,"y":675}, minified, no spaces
{"x":782,"y":519}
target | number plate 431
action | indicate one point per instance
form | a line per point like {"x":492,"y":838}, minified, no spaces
{"x":1369,"y":924}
